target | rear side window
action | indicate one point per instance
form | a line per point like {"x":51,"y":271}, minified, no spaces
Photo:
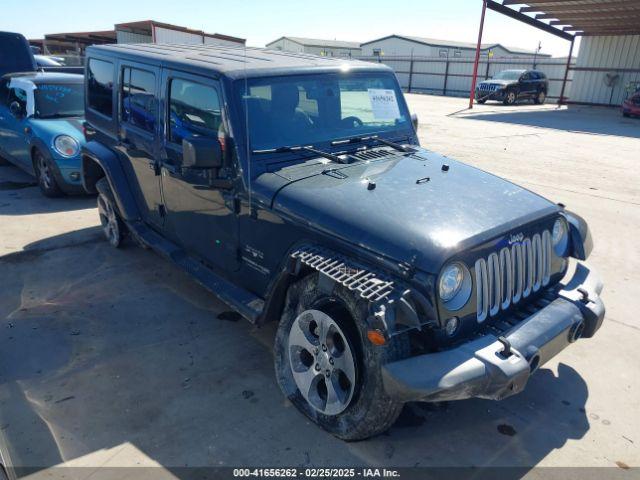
{"x":100,"y":86}
{"x":541,"y":75}
{"x":139,"y":106}
{"x":194,"y":109}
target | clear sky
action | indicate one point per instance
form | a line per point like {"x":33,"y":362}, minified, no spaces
{"x":263,"y":21}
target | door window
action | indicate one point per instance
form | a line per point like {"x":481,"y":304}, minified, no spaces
{"x":194,"y":109}
{"x":100,"y":86}
{"x":18,"y":95}
{"x":138,"y":101}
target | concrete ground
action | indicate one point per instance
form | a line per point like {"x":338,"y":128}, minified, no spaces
{"x":116,"y":358}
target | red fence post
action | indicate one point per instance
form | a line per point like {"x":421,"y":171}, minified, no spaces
{"x":566,"y":73}
{"x":475,"y":64}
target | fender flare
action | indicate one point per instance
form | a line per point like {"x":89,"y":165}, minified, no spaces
{"x":580,"y":240}
{"x":98,"y":161}
{"x":394,"y":308}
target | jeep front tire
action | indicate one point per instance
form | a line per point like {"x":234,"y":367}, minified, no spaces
{"x":510,"y":97}
{"x":112,"y":225}
{"x":326,"y":366}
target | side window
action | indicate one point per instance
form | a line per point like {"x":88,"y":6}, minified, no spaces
{"x":139,"y":106}
{"x":18,"y":95}
{"x":194,"y":109}
{"x":100,"y":86}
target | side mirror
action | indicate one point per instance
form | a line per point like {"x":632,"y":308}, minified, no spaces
{"x":201,"y":152}
{"x":16,"y":109}
{"x":414,"y":120}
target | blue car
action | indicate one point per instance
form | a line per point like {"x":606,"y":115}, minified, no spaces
{"x":41,"y":128}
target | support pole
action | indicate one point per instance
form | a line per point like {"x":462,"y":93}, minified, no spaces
{"x":566,"y":73}
{"x":475,"y":64}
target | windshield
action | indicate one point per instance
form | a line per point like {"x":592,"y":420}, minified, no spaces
{"x":508,"y":75}
{"x":59,"y":100}
{"x":308,"y":109}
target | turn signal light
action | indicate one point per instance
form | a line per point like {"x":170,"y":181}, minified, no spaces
{"x":376,"y":337}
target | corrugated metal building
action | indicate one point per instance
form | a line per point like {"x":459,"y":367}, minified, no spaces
{"x":150,"y":31}
{"x":406,"y":46}
{"x":607,"y":69}
{"x":315,"y":46}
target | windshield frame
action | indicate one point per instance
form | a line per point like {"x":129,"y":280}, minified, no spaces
{"x":37,"y":92}
{"x":326,"y":144}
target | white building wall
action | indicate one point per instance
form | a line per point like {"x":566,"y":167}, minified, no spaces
{"x":286,"y":45}
{"x":220,"y":41}
{"x":166,"y":35}
{"x":398,"y":47}
{"x":610,"y":55}
{"x":130,"y":37}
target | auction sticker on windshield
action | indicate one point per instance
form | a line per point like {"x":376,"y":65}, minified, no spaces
{"x":384,"y":104}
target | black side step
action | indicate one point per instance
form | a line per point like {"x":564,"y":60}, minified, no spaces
{"x":245,"y":303}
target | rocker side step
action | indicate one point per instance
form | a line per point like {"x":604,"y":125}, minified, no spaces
{"x":245,"y":303}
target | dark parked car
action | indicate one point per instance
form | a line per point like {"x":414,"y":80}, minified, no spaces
{"x":509,"y":86}
{"x":294,"y":188}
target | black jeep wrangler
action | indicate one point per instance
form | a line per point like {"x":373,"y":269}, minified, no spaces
{"x":509,"y":86}
{"x":294,"y":188}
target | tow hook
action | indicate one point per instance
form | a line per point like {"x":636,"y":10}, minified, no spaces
{"x":506,"y":351}
{"x":585,"y":295}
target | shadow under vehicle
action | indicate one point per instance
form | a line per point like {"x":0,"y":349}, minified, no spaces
{"x":294,"y":188}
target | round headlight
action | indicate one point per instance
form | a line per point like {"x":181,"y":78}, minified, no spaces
{"x":560,"y":237}
{"x":66,"y":146}
{"x":454,"y":286}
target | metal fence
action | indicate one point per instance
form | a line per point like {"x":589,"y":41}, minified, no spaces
{"x":452,"y":76}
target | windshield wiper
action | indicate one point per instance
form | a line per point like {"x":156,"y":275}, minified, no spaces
{"x":393,"y":145}
{"x":303,"y":148}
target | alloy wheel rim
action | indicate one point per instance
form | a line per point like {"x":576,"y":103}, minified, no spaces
{"x":321,"y":362}
{"x":108,"y":220}
{"x":44,"y":172}
{"x":512,"y":97}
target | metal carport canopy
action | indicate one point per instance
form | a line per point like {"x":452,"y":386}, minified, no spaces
{"x":567,"y":19}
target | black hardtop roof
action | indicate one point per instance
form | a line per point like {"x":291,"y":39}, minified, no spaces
{"x":231,"y":61}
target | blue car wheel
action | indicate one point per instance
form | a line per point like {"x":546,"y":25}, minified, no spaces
{"x":46,"y":175}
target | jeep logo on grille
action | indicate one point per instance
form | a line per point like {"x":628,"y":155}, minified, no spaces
{"x":516,"y":238}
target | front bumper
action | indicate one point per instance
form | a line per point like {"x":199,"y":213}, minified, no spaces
{"x":484,"y":368}
{"x":490,"y":95}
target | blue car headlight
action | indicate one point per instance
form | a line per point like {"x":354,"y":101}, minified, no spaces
{"x":66,"y":146}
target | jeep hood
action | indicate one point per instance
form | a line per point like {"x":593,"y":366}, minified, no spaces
{"x":406,"y":207}
{"x":503,"y":83}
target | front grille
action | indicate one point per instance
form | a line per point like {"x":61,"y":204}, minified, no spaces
{"x":512,"y":274}
{"x":489,"y":87}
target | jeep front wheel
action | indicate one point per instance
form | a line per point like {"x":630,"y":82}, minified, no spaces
{"x":510,"y":98}
{"x":326,"y":366}
{"x":112,"y":226}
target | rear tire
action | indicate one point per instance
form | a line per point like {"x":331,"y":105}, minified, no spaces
{"x":46,"y":177}
{"x":365,"y":409}
{"x":510,"y":98}
{"x":624,"y":114}
{"x":481,"y":101}
{"x":540,"y":98}
{"x":113,"y":227}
